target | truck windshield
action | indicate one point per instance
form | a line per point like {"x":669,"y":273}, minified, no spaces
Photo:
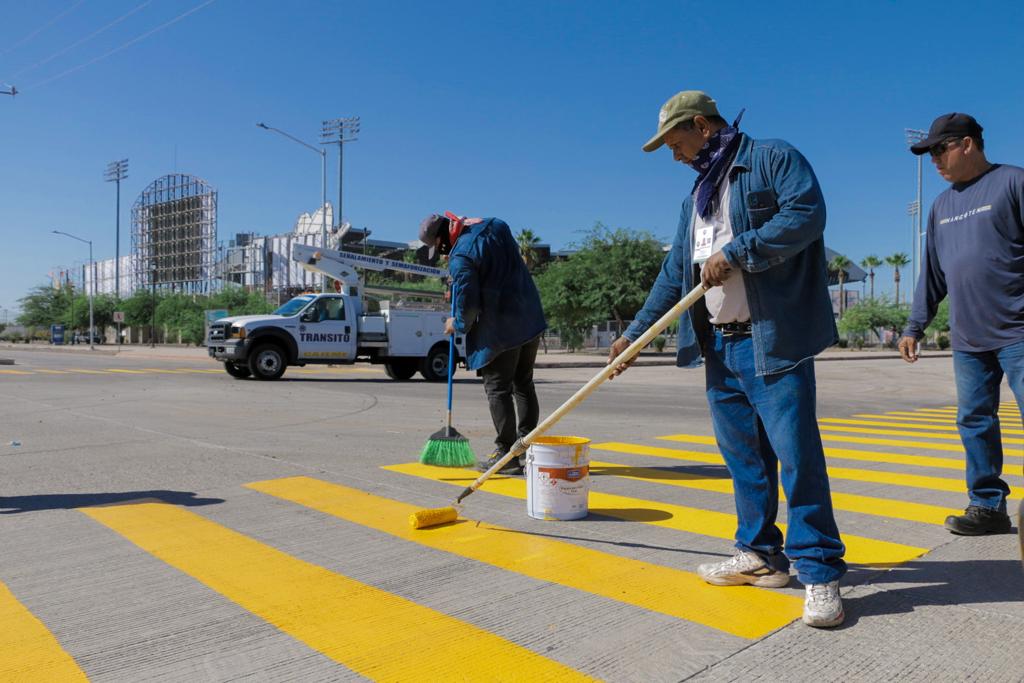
{"x":295,"y":305}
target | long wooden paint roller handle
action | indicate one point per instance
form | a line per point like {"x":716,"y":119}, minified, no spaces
{"x":626,"y":356}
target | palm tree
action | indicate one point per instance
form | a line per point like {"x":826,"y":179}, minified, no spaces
{"x":838,"y":265}
{"x":871,"y":262}
{"x":897,"y":261}
{"x":528,"y":246}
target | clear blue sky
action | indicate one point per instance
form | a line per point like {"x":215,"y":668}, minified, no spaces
{"x":531,"y":111}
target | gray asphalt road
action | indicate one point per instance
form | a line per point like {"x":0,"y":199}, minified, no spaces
{"x":137,"y":542}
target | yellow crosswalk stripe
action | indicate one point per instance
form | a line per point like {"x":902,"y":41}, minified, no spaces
{"x":163,"y":371}
{"x":375,"y":633}
{"x":900,"y":432}
{"x":53,"y":372}
{"x":15,"y":372}
{"x":949,"y":420}
{"x":952,"y":448}
{"x":859,"y":550}
{"x":676,"y":593}
{"x":923,"y":428}
{"x":127,"y":372}
{"x":28,"y":651}
{"x":848,"y":502}
{"x":201,"y":371}
{"x":916,"y":481}
{"x":918,"y":422}
{"x":83,"y":371}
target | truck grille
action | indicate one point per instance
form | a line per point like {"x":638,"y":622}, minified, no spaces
{"x":218,"y":332}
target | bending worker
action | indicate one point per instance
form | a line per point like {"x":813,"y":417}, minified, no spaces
{"x":498,"y":310}
{"x":751,"y":232}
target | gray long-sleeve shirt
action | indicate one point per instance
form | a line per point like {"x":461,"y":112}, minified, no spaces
{"x":975,"y":255}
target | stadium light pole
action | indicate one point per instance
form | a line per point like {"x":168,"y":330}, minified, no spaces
{"x":914,"y":136}
{"x":323,"y":188}
{"x":92,"y":279}
{"x":338,"y":132}
{"x":115,"y":173}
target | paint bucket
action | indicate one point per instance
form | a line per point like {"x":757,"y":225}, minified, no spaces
{"x":557,"y":477}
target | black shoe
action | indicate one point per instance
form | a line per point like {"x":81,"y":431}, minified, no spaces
{"x":512,"y":467}
{"x":977,"y":521}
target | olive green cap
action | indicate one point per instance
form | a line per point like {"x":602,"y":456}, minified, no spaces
{"x":681,"y":107}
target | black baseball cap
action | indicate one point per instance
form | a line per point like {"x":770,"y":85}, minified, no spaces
{"x":430,"y":228}
{"x":953,"y":125}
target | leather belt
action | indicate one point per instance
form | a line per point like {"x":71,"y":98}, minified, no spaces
{"x":733,"y":328}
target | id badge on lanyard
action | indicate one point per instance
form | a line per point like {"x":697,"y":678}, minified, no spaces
{"x":703,"y":239}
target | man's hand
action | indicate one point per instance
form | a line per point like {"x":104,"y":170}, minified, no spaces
{"x":908,"y":349}
{"x":449,"y":326}
{"x":618,"y":346}
{"x":716,"y":270}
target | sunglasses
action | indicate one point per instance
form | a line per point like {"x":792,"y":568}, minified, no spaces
{"x":939,"y":149}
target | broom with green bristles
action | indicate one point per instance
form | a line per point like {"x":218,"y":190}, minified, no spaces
{"x":448,"y":448}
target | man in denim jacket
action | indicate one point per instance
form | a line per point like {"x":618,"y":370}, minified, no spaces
{"x":498,"y":309}
{"x":751,"y":232}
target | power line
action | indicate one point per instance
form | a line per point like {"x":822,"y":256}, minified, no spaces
{"x":83,"y":40}
{"x":125,"y":45}
{"x":42,"y":28}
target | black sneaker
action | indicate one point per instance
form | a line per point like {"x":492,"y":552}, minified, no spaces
{"x":977,"y":521}
{"x":512,"y":467}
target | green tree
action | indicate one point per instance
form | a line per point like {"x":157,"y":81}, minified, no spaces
{"x":940,"y":323}
{"x":138,"y":308}
{"x":897,"y":261}
{"x":610,"y":275}
{"x":181,"y":314}
{"x":43,"y":306}
{"x":871,"y":262}
{"x":872,"y":315}
{"x":838,"y":265}
{"x":528,"y":242}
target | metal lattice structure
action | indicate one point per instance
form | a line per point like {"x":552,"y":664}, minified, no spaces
{"x":174,"y":235}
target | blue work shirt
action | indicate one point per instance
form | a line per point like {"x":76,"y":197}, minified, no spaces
{"x":777,"y":213}
{"x":497,"y":306}
{"x":975,"y":255}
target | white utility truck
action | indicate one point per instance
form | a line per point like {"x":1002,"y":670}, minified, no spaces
{"x":337,"y":328}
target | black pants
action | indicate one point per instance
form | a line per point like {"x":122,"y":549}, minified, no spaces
{"x":508,"y":381}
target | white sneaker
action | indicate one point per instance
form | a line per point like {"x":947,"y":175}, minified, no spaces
{"x":823,"y":607}
{"x":743,"y":567}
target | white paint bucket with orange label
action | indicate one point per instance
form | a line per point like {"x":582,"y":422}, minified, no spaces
{"x":558,"y":477}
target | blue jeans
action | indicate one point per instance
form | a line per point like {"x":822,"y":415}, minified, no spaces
{"x":760,"y":421}
{"x":978,"y":376}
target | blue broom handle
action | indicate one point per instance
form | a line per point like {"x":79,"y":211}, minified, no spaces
{"x":451,"y":362}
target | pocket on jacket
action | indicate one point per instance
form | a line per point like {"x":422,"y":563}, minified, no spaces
{"x":761,"y":206}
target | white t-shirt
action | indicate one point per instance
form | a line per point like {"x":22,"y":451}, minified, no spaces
{"x":726,"y":303}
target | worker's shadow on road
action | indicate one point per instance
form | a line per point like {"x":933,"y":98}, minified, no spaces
{"x":10,"y":505}
{"x":676,"y":473}
{"x":953,"y":583}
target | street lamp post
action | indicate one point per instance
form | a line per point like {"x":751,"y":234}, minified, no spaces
{"x":914,"y":136}
{"x":92,"y":277}
{"x":323,"y":189}
{"x":152,"y":313}
{"x":338,"y":132}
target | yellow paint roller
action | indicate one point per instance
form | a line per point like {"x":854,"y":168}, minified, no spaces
{"x":434,"y":517}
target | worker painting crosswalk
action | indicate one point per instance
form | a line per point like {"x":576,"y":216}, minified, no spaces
{"x":890,"y":504}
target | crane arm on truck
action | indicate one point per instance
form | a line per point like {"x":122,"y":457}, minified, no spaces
{"x":341,"y":265}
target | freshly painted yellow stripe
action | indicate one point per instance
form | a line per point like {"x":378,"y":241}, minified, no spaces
{"x":917,"y":417}
{"x":16,"y":372}
{"x":53,"y":372}
{"x":892,"y":422}
{"x":87,"y":372}
{"x":859,"y":550}
{"x":375,"y":633}
{"x":28,"y":651}
{"x":127,"y":372}
{"x":940,"y":462}
{"x":848,"y":502}
{"x":900,"y":432}
{"x":163,"y":371}
{"x":952,"y":448}
{"x":676,"y":593}
{"x":915,"y":481}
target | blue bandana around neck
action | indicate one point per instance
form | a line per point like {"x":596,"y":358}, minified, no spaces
{"x":712,"y":162}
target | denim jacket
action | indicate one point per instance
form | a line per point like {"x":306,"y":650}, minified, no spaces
{"x":777,"y":213}
{"x":497,"y":305}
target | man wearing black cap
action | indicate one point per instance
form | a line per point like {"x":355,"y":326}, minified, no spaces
{"x":975,"y":256}
{"x":498,"y":309}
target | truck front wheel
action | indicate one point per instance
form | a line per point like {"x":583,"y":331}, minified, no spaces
{"x":400,"y":368}
{"x":237,"y":370}
{"x":434,"y":367}
{"x":267,"y":361}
